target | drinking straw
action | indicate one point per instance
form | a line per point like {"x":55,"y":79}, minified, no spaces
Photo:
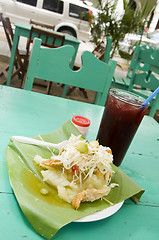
{"x":150,"y":97}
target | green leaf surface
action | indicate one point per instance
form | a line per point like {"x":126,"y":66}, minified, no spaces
{"x":48,"y":213}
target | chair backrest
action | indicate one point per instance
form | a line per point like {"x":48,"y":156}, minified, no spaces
{"x":8,"y":30}
{"x":53,"y":65}
{"x":134,"y":62}
{"x":49,"y":39}
{"x":10,"y":35}
{"x":99,"y":50}
{"x":32,"y":22}
{"x":102,"y":51}
{"x":146,"y":79}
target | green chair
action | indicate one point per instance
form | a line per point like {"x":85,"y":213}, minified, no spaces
{"x":123,"y":83}
{"x":102,"y":52}
{"x":52,"y":64}
{"x":144,"y":83}
{"x":49,"y":39}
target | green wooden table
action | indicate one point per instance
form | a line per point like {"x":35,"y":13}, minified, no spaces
{"x":23,"y":30}
{"x":28,"y":114}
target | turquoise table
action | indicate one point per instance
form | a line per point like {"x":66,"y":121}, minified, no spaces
{"x":28,"y":114}
{"x":23,"y":30}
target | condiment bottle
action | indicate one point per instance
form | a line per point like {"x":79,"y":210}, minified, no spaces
{"x":81,"y":123}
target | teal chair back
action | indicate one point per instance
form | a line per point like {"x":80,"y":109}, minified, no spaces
{"x":53,"y":65}
{"x":135,"y":66}
{"x":145,"y":82}
{"x":135,"y":62}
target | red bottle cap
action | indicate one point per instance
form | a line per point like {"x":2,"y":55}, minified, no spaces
{"x":81,"y":121}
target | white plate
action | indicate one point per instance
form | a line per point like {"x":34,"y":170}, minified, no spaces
{"x":101,"y":214}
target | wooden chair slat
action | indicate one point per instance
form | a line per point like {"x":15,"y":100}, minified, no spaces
{"x":32,"y":22}
{"x":48,"y":40}
{"x":19,"y":58}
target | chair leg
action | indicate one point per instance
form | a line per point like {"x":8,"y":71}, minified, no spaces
{"x":154,"y":106}
{"x":65,"y":91}
{"x":18,"y":72}
{"x":4,"y":72}
{"x":49,"y":85}
{"x":84,"y":92}
{"x":4,"y":81}
{"x":152,"y":111}
{"x":81,"y":89}
{"x":70,"y":90}
{"x":23,"y":80}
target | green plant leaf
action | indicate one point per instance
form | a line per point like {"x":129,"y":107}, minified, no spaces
{"x":107,"y":21}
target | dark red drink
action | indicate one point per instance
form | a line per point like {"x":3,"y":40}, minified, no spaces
{"x":122,"y":116}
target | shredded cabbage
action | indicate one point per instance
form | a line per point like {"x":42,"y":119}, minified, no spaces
{"x":80,"y":165}
{"x":96,"y":160}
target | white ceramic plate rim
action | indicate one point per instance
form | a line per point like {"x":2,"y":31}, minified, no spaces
{"x":101,"y":214}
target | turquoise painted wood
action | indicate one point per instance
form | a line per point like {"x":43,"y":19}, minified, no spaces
{"x":105,"y":59}
{"x":147,"y":80}
{"x":4,"y":183}
{"x":53,"y":65}
{"x":101,"y":52}
{"x":134,"y":62}
{"x":135,"y":65}
{"x":107,"y":50}
{"x":27,"y":113}
{"x":23,"y":30}
{"x":140,"y":161}
{"x":142,"y":77}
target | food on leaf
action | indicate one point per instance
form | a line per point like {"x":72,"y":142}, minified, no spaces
{"x":80,"y":172}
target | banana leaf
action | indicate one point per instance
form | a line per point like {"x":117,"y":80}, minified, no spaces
{"x":48,"y":213}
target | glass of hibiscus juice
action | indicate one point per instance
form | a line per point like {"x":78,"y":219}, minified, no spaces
{"x":122,"y":117}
